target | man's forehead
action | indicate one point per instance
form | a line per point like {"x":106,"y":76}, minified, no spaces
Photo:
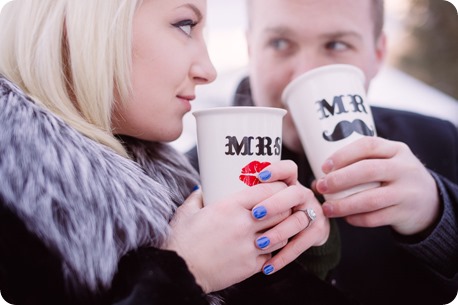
{"x":306,"y":5}
{"x":282,"y":16}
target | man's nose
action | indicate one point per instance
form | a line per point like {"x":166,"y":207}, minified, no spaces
{"x":306,"y":61}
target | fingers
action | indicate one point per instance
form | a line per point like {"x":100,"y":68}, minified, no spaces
{"x":274,"y":218}
{"x":364,"y":202}
{"x":261,"y":261}
{"x":270,"y":248}
{"x":282,"y":201}
{"x":285,"y":170}
{"x":366,"y":161}
{"x":365,"y":148}
{"x":194,"y":200}
{"x":362,"y":172}
{"x":374,"y":219}
{"x":297,"y":232}
{"x":271,"y":205}
{"x":252,"y":196}
{"x":288,"y":254}
{"x":313,"y":233}
{"x":282,"y":232}
{"x":192,"y":205}
{"x":409,"y":205}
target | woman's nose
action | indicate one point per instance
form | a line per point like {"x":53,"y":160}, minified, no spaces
{"x":203,"y":71}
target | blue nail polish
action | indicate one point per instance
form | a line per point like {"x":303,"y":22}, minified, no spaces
{"x":263,"y":242}
{"x":268,"y":269}
{"x":259,"y":212}
{"x":265,"y":175}
{"x":195,"y":188}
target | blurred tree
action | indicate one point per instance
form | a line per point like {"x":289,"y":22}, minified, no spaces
{"x":431,"y":50}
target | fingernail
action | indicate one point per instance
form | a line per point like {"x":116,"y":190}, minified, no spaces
{"x":268,"y":269}
{"x":321,"y":185}
{"x":259,"y":212}
{"x":328,"y":166}
{"x":195,"y":188}
{"x":264,"y":175}
{"x":327,"y":209}
{"x":263,"y":242}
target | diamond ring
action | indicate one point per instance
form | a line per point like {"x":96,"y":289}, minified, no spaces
{"x":311,"y":216}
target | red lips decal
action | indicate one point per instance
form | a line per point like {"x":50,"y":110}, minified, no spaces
{"x":250,"y":172}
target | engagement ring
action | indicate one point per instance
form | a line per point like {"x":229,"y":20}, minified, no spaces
{"x":311,"y":216}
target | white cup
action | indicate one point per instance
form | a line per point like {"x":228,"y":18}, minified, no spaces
{"x":330,"y":110}
{"x":234,"y":144}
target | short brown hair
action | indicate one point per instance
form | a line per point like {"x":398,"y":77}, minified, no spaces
{"x":378,"y":15}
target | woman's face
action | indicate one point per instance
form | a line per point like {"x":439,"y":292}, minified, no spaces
{"x":169,"y":58}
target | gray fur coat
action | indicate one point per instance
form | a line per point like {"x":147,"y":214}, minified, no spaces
{"x":85,"y":202}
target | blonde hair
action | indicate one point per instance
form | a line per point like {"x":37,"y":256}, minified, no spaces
{"x":72,"y":57}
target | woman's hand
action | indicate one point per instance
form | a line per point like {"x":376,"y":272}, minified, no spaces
{"x":407,"y":198}
{"x":229,"y":241}
{"x":218,"y":241}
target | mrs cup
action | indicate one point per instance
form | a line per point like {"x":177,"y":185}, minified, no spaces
{"x":234,"y":145}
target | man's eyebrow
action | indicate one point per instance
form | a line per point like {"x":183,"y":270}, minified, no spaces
{"x":340,"y":34}
{"x":284,"y":31}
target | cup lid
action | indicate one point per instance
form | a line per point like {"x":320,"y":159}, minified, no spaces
{"x":239,"y":110}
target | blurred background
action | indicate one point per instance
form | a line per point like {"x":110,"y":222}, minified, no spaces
{"x":421,"y":73}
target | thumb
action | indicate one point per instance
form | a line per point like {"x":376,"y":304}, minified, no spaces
{"x":190,"y":206}
{"x":194,"y":202}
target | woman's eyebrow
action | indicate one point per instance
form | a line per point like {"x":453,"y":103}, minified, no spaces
{"x":194,"y":9}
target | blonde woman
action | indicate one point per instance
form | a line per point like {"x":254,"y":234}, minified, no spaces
{"x":95,"y":208}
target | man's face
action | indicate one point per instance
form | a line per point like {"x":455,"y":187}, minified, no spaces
{"x":287,"y":38}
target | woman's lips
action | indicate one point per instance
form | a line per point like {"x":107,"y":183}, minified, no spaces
{"x":187,"y":97}
{"x":250,"y":172}
{"x":186,"y":100}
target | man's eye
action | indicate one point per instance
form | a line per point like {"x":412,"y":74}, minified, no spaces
{"x":186,"y":26}
{"x":337,"y":46}
{"x":279,"y":44}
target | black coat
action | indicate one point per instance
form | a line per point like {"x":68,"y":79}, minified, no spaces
{"x":375,"y":267}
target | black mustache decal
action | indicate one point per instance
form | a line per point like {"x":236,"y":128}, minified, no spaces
{"x":345,"y":129}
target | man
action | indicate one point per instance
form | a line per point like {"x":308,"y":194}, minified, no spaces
{"x":400,"y":240}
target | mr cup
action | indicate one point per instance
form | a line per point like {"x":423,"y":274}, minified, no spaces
{"x":330,"y":110}
{"x":234,"y":145}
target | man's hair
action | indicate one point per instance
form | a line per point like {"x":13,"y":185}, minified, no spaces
{"x":71,"y":57}
{"x":378,"y":15}
{"x":378,"y":11}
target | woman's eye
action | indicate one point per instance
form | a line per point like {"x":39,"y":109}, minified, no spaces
{"x":337,"y":46}
{"x":186,"y":26}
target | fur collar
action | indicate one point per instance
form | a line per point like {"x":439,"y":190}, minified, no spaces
{"x":87,"y":203}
